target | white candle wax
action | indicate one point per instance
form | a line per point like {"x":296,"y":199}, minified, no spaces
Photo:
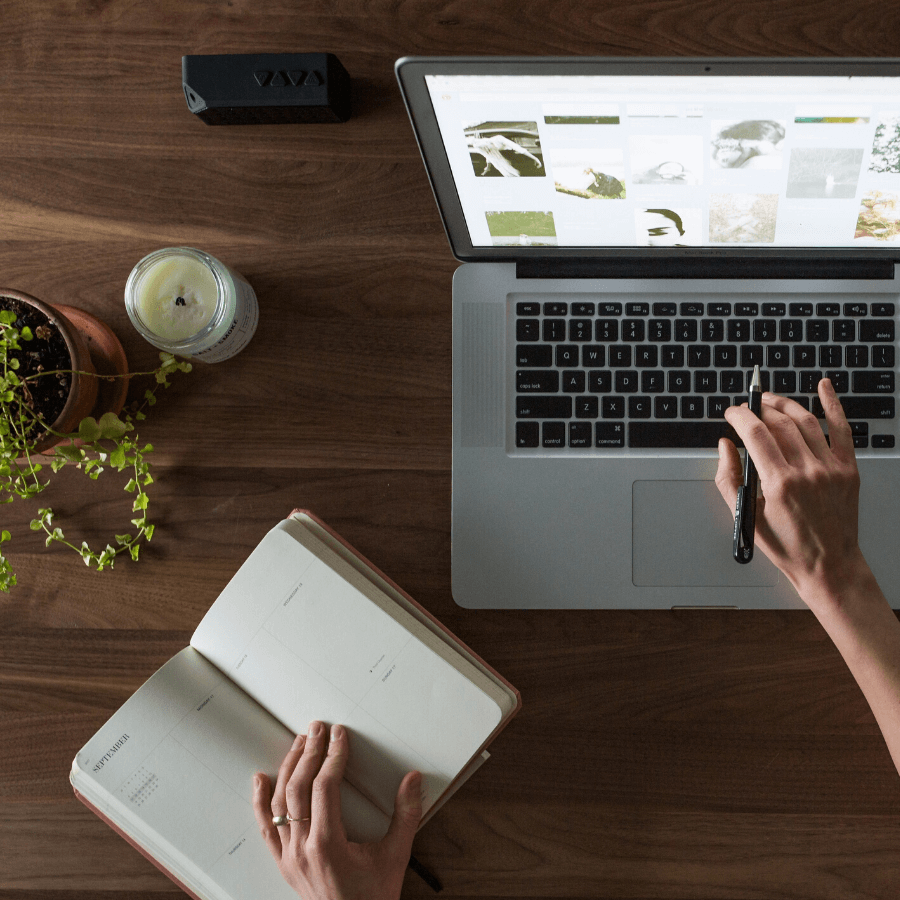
{"x":177,"y":297}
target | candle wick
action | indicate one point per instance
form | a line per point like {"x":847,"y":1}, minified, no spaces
{"x":179,"y":301}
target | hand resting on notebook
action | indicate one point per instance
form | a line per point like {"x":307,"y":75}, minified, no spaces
{"x":806,"y":523}
{"x":313,"y":853}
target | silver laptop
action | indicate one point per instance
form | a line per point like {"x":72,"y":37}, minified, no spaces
{"x":636,"y":235}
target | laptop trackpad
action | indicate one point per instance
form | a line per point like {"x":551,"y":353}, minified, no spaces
{"x":682,"y":534}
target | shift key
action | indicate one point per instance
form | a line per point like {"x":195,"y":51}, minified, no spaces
{"x":860,"y":407}
{"x":538,"y":407}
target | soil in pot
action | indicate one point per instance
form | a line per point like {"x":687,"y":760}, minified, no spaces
{"x":46,"y":352}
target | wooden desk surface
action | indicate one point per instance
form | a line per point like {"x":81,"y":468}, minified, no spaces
{"x":659,"y":754}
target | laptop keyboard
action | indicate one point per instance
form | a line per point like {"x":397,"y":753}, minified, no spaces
{"x":609,"y":374}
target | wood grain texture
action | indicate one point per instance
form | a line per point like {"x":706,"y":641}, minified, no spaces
{"x":660,"y":755}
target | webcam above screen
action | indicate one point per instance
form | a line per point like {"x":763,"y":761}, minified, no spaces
{"x":692,"y":159}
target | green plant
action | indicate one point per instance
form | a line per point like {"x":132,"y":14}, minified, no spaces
{"x":110,"y":442}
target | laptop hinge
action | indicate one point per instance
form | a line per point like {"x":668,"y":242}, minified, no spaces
{"x":855,"y":269}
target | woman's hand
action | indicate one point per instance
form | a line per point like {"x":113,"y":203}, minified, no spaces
{"x":806,"y":520}
{"x":312,"y":852}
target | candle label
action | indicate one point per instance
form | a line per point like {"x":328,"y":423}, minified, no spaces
{"x":242,"y":328}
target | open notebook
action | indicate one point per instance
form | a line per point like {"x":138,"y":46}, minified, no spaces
{"x":307,"y":629}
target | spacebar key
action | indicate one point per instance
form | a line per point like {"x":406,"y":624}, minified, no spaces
{"x":680,"y":434}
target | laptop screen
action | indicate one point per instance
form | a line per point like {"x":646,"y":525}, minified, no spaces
{"x":714,"y":158}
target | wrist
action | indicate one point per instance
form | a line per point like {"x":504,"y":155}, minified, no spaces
{"x":838,"y":590}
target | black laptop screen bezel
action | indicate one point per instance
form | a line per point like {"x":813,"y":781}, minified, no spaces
{"x":411,"y":72}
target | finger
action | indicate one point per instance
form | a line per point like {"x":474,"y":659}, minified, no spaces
{"x":762,"y":447}
{"x":730,"y":474}
{"x":807,"y":424}
{"x":786,"y":434}
{"x":262,"y":809}
{"x":839,"y":433}
{"x":299,"y":786}
{"x":279,"y":801}
{"x":327,"y":820}
{"x":406,"y":818}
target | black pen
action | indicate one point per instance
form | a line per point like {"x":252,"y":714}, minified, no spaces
{"x":745,"y":510}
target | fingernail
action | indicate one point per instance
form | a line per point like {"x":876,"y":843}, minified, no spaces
{"x":298,"y":741}
{"x":315,"y":729}
{"x":336,"y":732}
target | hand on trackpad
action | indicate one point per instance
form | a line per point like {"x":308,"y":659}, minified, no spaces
{"x":683,"y":537}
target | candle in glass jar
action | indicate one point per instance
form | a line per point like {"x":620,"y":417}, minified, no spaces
{"x":187,"y":302}
{"x":177,"y":297}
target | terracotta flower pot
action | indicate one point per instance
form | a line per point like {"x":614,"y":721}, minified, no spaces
{"x":83,"y":389}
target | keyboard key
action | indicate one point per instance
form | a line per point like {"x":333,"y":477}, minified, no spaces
{"x":698,"y":356}
{"x":613,"y":407}
{"x":828,"y":309}
{"x":877,"y":330}
{"x":718,"y":309}
{"x":809,"y":382}
{"x":580,"y":329}
{"x":690,"y":309}
{"x":626,"y":381}
{"x":817,"y":330}
{"x":751,"y":355}
{"x":856,"y":309}
{"x":593,"y":355}
{"x":840,"y":381}
{"x":800,"y":309}
{"x":566,"y":355}
{"x":528,"y":434}
{"x":746,"y":309}
{"x":587,"y":408}
{"x":580,"y":434}
{"x":543,"y":381}
{"x":716,"y":406}
{"x":685,"y":330}
{"x":606,"y":330}
{"x":533,"y":355}
{"x":665,"y":407}
{"x":738,"y":330}
{"x":664,"y":309}
{"x":610,"y":434}
{"x":724,"y":356}
{"x":883,"y":356}
{"x":784,"y":381}
{"x":829,"y":355}
{"x":556,"y":309}
{"x":645,"y":356}
{"x":856,"y":356}
{"x":712,"y":330}
{"x":528,"y":309}
{"x":673,"y":355}
{"x":731,"y":381}
{"x":705,"y":382}
{"x":600,"y":382}
{"x":691,"y":407}
{"x":843,"y":330}
{"x":653,"y":382}
{"x":659,"y":330}
{"x":573,"y":381}
{"x":883,"y":309}
{"x":764,"y":330}
{"x":620,"y":356}
{"x":882,"y":441}
{"x":637,"y":309}
{"x":859,"y":427}
{"x":860,"y":407}
{"x":680,"y":434}
{"x":790,"y":330}
{"x":679,"y":382}
{"x":873,"y":382}
{"x":609,"y":309}
{"x":553,"y":434}
{"x":778,"y":355}
{"x":584,"y":309}
{"x":773,"y":309}
{"x":860,"y":442}
{"x":554,"y":330}
{"x":528,"y":407}
{"x":528,"y":330}
{"x":802,"y":401}
{"x":639,"y":407}
{"x":803,"y":355}
{"x":633,"y":329}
